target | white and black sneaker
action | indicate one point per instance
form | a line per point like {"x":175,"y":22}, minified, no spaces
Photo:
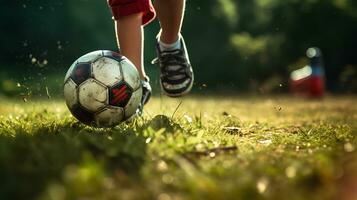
{"x":176,"y":77}
{"x":146,"y":96}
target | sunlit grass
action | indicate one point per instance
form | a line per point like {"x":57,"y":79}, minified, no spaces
{"x":218,"y":147}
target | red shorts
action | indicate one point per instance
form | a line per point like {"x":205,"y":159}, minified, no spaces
{"x":127,"y":7}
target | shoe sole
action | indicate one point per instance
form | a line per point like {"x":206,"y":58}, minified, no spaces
{"x":178,"y":94}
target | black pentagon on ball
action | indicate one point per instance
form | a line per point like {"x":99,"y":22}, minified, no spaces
{"x":120,"y":94}
{"x":82,"y":115}
{"x":81,"y":72}
{"x":113,"y":55}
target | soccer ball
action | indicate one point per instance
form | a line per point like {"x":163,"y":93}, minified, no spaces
{"x":102,"y":89}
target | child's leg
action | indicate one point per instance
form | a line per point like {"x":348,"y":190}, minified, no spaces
{"x":176,"y":74}
{"x":129,"y":33}
{"x":170,"y":14}
{"x":130,"y":17}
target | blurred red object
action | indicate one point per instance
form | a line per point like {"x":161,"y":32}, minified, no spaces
{"x":309,"y":80}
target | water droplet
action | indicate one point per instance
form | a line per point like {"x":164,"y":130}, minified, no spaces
{"x":262,"y":185}
{"x":167,"y":179}
{"x":162,"y":166}
{"x":349,"y":147}
{"x":265,"y":142}
{"x":164,"y":196}
{"x":33,"y":60}
{"x":290,"y":172}
{"x":188,"y":118}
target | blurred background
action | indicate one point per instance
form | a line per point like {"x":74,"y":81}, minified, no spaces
{"x":236,"y":46}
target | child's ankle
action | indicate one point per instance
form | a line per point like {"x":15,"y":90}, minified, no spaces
{"x":170,"y":46}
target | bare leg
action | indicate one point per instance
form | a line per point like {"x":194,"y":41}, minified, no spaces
{"x":170,"y":14}
{"x":130,"y":38}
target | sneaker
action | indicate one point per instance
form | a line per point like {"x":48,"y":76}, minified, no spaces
{"x":176,"y":77}
{"x":146,"y":96}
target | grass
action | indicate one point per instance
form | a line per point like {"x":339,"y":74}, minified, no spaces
{"x":195,"y":148}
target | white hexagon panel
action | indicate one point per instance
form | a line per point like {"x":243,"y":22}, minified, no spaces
{"x":93,"y":95}
{"x":70,"y":93}
{"x":130,"y":74}
{"x":109,"y":117}
{"x":130,"y":108}
{"x":107,"y":71}
{"x":90,"y":57}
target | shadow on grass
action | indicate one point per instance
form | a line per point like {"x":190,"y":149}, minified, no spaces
{"x":70,"y":153}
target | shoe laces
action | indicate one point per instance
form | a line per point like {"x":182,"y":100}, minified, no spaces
{"x":172,"y":63}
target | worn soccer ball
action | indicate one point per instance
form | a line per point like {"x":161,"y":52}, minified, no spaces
{"x":102,"y":89}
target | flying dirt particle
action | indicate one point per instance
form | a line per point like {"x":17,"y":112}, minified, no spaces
{"x":59,"y":45}
{"x":233,"y":130}
{"x":47,"y":93}
{"x":18,"y":85}
{"x":148,"y":140}
{"x":212,"y":154}
{"x":278,"y":108}
{"x":45,"y":62}
{"x":226,"y":114}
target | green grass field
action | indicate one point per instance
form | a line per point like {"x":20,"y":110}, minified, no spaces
{"x":195,"y":148}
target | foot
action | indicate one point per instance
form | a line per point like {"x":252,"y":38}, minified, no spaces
{"x":176,"y":78}
{"x":146,"y":96}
